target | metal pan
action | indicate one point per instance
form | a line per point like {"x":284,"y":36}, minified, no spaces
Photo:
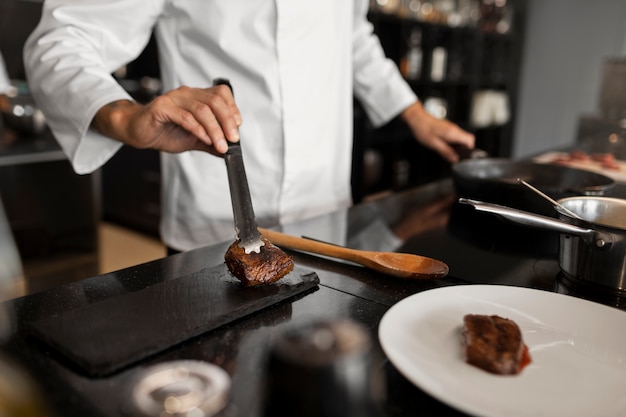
{"x":496,"y":180}
{"x":592,"y":248}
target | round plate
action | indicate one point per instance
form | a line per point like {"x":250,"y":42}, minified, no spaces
{"x":578,"y":351}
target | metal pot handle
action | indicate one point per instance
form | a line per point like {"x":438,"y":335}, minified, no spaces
{"x":590,"y":236}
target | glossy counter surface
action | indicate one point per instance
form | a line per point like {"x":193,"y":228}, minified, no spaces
{"x":346,"y":291}
{"x":17,"y":149}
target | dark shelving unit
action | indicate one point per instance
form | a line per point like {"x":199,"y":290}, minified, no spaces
{"x":476,"y":60}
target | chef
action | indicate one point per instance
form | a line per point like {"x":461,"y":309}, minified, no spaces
{"x":295,"y":66}
{"x":5,"y":87}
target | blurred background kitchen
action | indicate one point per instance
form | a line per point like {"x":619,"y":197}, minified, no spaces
{"x":525,"y":76}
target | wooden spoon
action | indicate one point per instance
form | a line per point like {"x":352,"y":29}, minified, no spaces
{"x":403,"y":265}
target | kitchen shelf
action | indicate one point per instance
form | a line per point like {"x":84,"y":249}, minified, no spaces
{"x":476,"y":61}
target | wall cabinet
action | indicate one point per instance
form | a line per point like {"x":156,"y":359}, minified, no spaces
{"x":466,"y":72}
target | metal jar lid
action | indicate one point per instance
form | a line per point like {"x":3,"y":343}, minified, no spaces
{"x":321,"y":368}
{"x":184,"y":388}
{"x":321,"y":342}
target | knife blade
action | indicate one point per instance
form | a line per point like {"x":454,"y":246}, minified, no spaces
{"x":246,"y":227}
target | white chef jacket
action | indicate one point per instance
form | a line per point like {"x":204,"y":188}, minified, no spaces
{"x":294,"y":65}
{"x":5,"y":82}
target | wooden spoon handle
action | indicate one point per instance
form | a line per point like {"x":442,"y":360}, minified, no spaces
{"x":312,"y":246}
{"x":403,"y":265}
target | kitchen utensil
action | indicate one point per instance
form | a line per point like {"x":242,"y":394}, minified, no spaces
{"x":496,"y":180}
{"x":243,"y":212}
{"x":245,"y":222}
{"x":592,"y":249}
{"x":403,"y":265}
{"x":558,"y":207}
{"x":530,"y":219}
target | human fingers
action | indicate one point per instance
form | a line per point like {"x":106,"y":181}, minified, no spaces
{"x":152,"y":126}
{"x":455,"y":135}
{"x":225,"y":112}
{"x":444,"y":149}
{"x":209,"y":114}
{"x":435,"y":141}
{"x":229,"y":99}
{"x":450,"y":141}
{"x":440,"y":135}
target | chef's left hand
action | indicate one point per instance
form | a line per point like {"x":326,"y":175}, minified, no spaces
{"x":437,"y":134}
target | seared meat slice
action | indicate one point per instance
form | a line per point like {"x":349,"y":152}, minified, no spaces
{"x":265,"y":267}
{"x":494,"y":344}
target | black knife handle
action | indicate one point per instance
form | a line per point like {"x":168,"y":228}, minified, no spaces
{"x":224,"y":81}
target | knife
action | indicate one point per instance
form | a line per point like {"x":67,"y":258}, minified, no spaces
{"x":246,"y":228}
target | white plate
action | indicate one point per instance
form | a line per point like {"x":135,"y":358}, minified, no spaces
{"x":578,"y":351}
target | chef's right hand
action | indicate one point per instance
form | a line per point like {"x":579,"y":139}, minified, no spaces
{"x":180,"y":120}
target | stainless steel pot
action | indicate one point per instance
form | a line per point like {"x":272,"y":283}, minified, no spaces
{"x":496,"y":180}
{"x":592,"y":248}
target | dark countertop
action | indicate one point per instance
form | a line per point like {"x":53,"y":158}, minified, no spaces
{"x":20,"y":148}
{"x":345,"y":292}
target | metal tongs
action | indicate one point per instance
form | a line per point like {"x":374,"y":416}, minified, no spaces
{"x":246,"y":228}
{"x":557,"y":206}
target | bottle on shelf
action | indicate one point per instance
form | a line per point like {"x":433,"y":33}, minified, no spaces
{"x":410,"y":9}
{"x":411,"y":63}
{"x":438,"y":64}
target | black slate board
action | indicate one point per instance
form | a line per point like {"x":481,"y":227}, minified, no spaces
{"x":108,"y":335}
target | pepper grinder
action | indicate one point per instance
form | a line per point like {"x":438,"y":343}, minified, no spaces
{"x":322,"y":368}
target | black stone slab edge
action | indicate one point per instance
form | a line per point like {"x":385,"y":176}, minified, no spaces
{"x":106,"y":336}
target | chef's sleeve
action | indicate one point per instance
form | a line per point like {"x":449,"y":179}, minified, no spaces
{"x":69,"y":59}
{"x":378,"y":84}
{"x":5,"y":82}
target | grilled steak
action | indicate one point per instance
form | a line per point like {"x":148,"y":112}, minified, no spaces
{"x":265,"y":267}
{"x":494,"y":344}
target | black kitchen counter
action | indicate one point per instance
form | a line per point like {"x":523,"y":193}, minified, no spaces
{"x":345,"y":291}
